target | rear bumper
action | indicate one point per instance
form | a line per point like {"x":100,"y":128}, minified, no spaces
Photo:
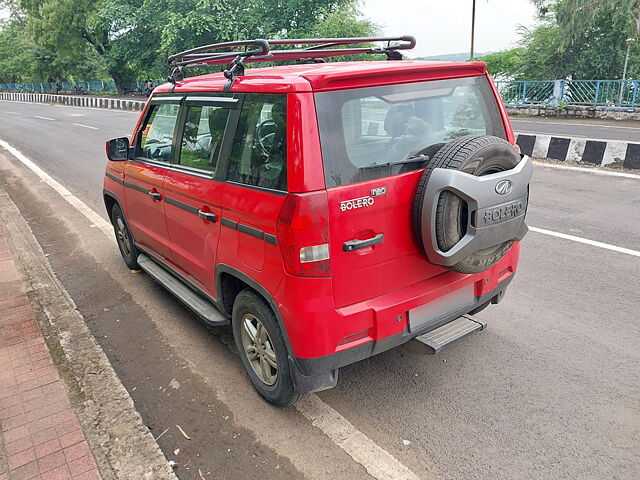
{"x":317,"y":366}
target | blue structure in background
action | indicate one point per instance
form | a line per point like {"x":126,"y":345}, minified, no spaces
{"x":513,"y":92}
{"x":571,"y":92}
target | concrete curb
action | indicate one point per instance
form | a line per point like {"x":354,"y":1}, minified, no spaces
{"x":600,"y":153}
{"x":120,"y":441}
{"x":84,"y":101}
{"x":576,"y":111}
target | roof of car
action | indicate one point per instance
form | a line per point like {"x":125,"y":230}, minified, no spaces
{"x":327,"y":76}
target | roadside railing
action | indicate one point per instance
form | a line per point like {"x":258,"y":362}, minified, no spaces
{"x":74,"y":87}
{"x":614,"y":93}
{"x":514,"y":92}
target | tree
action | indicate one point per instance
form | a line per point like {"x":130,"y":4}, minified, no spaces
{"x":506,"y":64}
{"x":576,"y":16}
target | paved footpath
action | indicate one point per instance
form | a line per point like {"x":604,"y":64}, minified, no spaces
{"x":40,"y":435}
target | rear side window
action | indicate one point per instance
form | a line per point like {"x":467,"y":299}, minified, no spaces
{"x":376,"y":132}
{"x":156,"y":136}
{"x":202,"y":136}
{"x":258,"y":155}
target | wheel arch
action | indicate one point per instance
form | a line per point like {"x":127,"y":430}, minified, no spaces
{"x":231,"y":281}
{"x":110,"y":199}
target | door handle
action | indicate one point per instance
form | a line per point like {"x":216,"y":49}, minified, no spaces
{"x":155,"y":195}
{"x":208,"y":216}
{"x":355,"y":244}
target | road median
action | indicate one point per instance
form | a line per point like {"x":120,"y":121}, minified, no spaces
{"x":585,"y":151}
{"x":75,"y":101}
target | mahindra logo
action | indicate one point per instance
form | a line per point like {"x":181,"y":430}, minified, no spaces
{"x":504,"y":187}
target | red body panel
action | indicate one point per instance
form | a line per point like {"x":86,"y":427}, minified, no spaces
{"x":369,"y":291}
{"x":194,"y":241}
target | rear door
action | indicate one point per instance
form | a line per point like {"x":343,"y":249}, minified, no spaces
{"x":372,"y":139}
{"x":144,"y":176}
{"x":193,"y":191}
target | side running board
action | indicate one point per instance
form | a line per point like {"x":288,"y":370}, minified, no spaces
{"x":200,"y":305}
{"x":435,"y":340}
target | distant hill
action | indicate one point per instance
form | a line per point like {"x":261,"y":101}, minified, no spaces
{"x":451,"y":57}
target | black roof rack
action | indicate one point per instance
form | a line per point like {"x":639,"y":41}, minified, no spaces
{"x":259,"y":50}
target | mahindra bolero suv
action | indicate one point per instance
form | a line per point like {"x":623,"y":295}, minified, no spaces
{"x":327,"y":211}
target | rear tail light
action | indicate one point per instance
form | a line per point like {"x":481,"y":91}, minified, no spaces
{"x":303,"y":234}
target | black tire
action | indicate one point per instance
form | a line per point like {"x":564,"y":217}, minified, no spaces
{"x":478,"y":155}
{"x":124,"y":238}
{"x":249,"y":305}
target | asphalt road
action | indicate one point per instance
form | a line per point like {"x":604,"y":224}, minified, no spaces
{"x":595,"y":129}
{"x":550,"y":390}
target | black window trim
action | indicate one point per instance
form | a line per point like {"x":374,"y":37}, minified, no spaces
{"x":197,"y":98}
{"x":226,"y":148}
{"x":153,"y":103}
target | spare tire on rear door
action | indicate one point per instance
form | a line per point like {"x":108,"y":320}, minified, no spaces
{"x":478,"y":155}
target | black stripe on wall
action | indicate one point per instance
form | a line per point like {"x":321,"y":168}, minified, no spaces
{"x":558,"y":148}
{"x":594,"y":152}
{"x":526,"y":143}
{"x":632,"y":156}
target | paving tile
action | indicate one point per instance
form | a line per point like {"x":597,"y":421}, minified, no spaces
{"x":16,"y":433}
{"x":11,"y":448}
{"x":22,"y":458}
{"x":76,"y":451}
{"x":90,"y":475}
{"x":71,"y":438}
{"x":8,"y":391}
{"x":48,"y":447}
{"x":31,"y":394}
{"x":44,"y":436}
{"x":68,"y":426}
{"x":60,"y":473}
{"x":26,"y":472}
{"x":82,"y":465}
{"x":13,"y":422}
{"x":12,"y":411}
{"x":10,"y":401}
{"x":51,"y":461}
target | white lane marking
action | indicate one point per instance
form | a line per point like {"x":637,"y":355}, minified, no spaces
{"x":586,"y":241}
{"x":594,"y":171}
{"x":85,"y":126}
{"x":92,"y":216}
{"x":515,"y":120}
{"x":43,"y":118}
{"x":13,"y":113}
{"x":377,"y":461}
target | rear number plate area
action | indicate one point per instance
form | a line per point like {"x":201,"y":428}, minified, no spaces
{"x":430,"y":313}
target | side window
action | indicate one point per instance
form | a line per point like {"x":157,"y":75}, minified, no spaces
{"x":258,"y":155}
{"x":202,"y":136}
{"x":157,"y":133}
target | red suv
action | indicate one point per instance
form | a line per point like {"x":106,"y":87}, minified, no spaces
{"x":328,"y":211}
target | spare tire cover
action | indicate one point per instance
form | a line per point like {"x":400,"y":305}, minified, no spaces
{"x":477,"y":155}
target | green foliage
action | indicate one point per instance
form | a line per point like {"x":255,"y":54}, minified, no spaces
{"x":505,"y":64}
{"x":128,"y":39}
{"x":583,"y":38}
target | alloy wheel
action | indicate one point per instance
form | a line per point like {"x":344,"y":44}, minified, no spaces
{"x":259,"y":349}
{"x":123,"y":236}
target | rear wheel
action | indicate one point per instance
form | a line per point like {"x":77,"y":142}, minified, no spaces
{"x":477,"y":155}
{"x":124,"y":238}
{"x":262,"y":349}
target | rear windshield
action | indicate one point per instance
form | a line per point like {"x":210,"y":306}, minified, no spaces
{"x":375,"y":132}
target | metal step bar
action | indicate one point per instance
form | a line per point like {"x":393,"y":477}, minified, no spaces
{"x":200,"y":305}
{"x":435,"y":340}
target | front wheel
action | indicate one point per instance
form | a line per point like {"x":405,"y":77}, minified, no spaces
{"x":124,"y":238}
{"x":262,"y":349}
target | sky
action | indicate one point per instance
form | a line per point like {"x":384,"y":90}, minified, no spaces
{"x":444,"y":26}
